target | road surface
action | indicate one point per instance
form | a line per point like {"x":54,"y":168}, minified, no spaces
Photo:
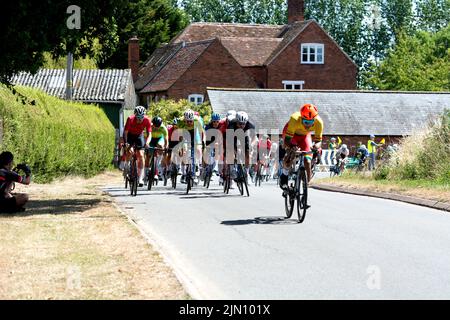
{"x":348,"y":247}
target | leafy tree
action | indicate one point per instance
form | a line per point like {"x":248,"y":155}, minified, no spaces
{"x":433,"y":15}
{"x":153,"y":21}
{"x":417,"y":63}
{"x":236,"y":11}
{"x":29,"y":29}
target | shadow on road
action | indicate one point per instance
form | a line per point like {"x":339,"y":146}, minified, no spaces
{"x":261,"y":220}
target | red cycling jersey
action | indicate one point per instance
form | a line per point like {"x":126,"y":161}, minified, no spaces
{"x":265,"y":145}
{"x":133,"y":127}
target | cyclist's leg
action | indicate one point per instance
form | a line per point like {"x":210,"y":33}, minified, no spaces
{"x":305,"y":144}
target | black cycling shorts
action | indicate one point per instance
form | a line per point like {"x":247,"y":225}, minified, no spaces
{"x":138,"y":140}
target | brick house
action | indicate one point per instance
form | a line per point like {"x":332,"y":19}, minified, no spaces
{"x":296,"y":56}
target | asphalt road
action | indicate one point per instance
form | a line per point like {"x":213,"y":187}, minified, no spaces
{"x":348,"y":247}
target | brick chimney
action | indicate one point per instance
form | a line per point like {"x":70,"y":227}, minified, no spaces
{"x":133,"y":56}
{"x":296,"y":11}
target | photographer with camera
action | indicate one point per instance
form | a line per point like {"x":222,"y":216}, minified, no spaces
{"x":8,"y":176}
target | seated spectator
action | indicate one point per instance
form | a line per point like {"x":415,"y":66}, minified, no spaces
{"x":12,"y":202}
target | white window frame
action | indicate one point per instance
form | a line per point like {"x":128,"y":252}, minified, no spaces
{"x":198,"y":98}
{"x":293,"y":84}
{"x":314,"y":46}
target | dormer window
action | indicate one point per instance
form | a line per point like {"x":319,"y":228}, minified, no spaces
{"x":312,"y":53}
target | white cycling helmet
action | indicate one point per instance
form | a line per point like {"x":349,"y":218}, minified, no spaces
{"x":344,"y":146}
{"x":139,"y":111}
{"x":231,"y":114}
{"x":242,"y":117}
{"x":189,"y":115}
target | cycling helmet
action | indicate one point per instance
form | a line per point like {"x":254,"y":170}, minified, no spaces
{"x":242,"y":117}
{"x":215,"y":117}
{"x":309,"y":111}
{"x":333,"y":139}
{"x":231,"y":114}
{"x":157,"y":121}
{"x":139,"y":111}
{"x":175,"y":122}
{"x":344,"y":146}
{"x":189,"y":115}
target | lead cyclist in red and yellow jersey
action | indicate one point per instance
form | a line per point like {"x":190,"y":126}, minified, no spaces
{"x":297,"y":133}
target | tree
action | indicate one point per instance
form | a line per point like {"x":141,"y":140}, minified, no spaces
{"x":29,"y":29}
{"x":417,"y":63}
{"x":236,"y":11}
{"x":153,"y":21}
{"x":433,"y":15}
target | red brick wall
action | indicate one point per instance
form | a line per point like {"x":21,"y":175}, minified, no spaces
{"x":337,"y":72}
{"x":215,"y":68}
{"x":258,"y":74}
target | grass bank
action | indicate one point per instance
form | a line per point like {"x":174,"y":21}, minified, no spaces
{"x":73,"y":243}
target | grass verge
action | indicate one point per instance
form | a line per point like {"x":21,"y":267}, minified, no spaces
{"x":425,"y":189}
{"x":72,"y":243}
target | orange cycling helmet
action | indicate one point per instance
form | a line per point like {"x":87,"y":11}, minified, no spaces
{"x":309,"y":111}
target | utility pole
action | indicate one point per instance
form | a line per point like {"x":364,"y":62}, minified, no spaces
{"x":69,"y":76}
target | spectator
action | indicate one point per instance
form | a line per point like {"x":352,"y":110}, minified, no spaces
{"x":361,"y":153}
{"x":332,"y":146}
{"x":8,"y":201}
{"x":372,"y":148}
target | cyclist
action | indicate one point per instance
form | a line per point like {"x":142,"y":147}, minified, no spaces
{"x":134,"y":134}
{"x":242,"y":122}
{"x":361,"y":154}
{"x":264,"y":146}
{"x":223,"y":125}
{"x":342,"y":156}
{"x":194,"y":125}
{"x":214,"y":124}
{"x":297,"y":133}
{"x":160,"y":139}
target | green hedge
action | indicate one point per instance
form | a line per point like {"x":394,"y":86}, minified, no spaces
{"x":53,"y":136}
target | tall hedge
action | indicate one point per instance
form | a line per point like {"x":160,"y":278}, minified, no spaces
{"x":55,"y":137}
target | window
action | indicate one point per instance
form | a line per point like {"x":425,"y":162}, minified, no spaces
{"x":312,"y":53}
{"x":293,"y":85}
{"x":196,"y":98}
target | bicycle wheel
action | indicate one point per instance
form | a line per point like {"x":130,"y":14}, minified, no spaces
{"x":245,"y":183}
{"x":302,"y":195}
{"x":133,"y":178}
{"x":151,"y":174}
{"x":188,"y":178}
{"x":208,"y":177}
{"x":289,"y":201}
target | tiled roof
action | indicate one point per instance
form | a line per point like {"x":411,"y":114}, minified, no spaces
{"x":155,"y":63}
{"x":179,"y":62}
{"x":288,"y":34}
{"x":250,"y":51}
{"x":344,"y":112}
{"x":201,"y":31}
{"x":89,"y":85}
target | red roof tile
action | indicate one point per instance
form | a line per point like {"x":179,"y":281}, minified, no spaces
{"x":250,"y":51}
{"x":179,"y":62}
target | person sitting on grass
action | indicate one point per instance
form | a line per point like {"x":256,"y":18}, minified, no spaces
{"x":8,"y":176}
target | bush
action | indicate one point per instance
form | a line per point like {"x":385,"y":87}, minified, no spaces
{"x":423,"y":155}
{"x":170,"y":109}
{"x":53,"y":136}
